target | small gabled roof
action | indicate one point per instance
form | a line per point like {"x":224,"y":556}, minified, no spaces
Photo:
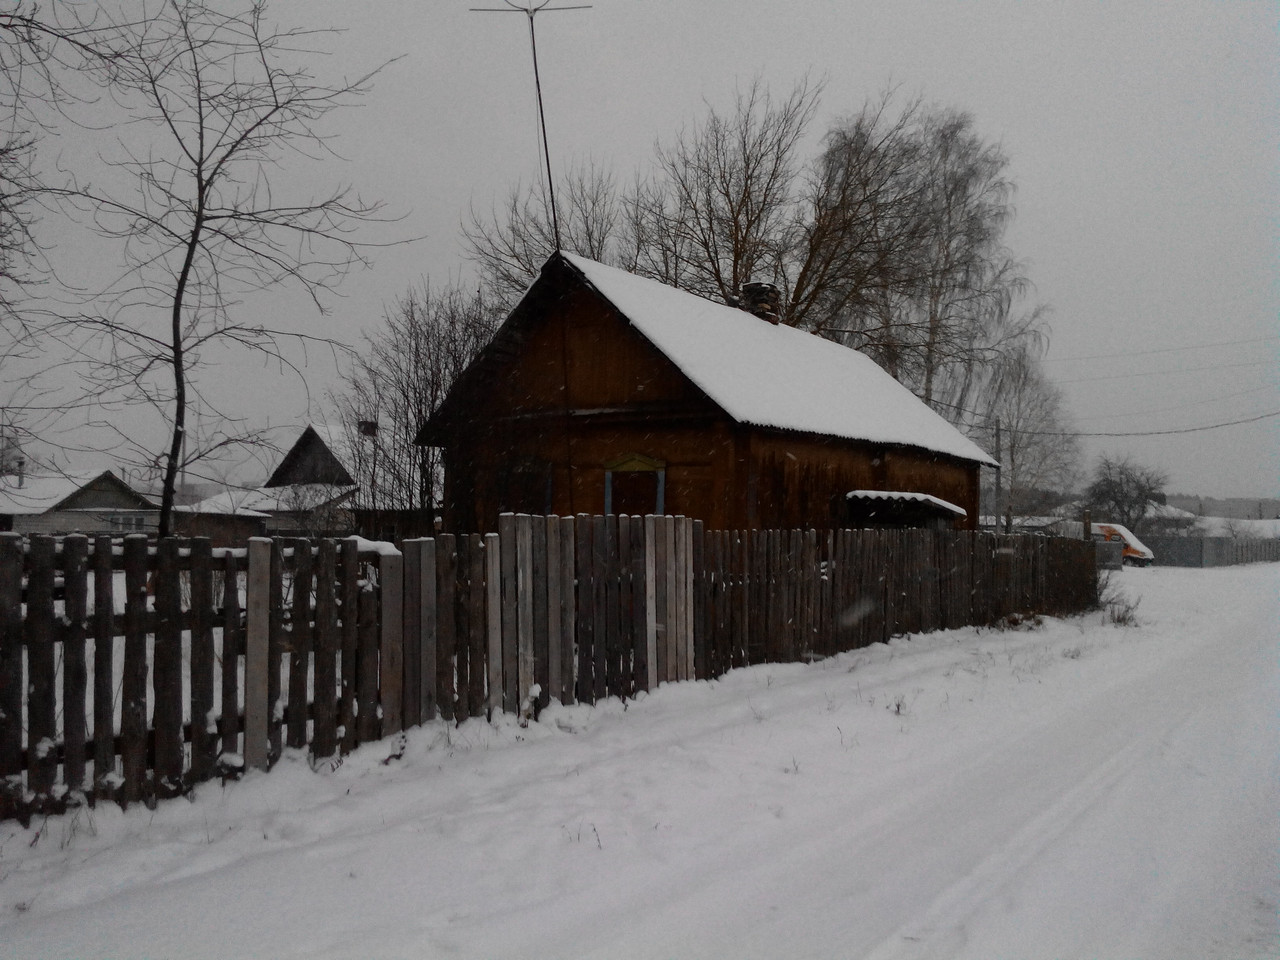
{"x":773,"y":375}
{"x":42,"y":493}
{"x":310,"y":460}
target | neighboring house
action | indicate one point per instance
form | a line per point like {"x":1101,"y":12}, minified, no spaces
{"x":607,"y":392}
{"x":308,"y":494}
{"x":223,"y":518}
{"x":311,"y":461}
{"x":95,"y":502}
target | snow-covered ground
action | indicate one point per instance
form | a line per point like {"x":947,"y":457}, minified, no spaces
{"x":1075,"y":790}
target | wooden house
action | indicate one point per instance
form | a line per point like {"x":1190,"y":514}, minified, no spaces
{"x":95,"y":502}
{"x":604,"y":392}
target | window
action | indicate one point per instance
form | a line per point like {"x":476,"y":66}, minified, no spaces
{"x":635,"y":485}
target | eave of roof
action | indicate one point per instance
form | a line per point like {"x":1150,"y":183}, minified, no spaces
{"x":903,"y":496}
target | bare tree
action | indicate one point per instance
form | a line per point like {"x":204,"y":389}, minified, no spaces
{"x":1037,"y":452}
{"x":714,"y":214}
{"x":511,"y":243}
{"x":396,"y":383}
{"x":728,"y":192}
{"x":216,"y":102}
{"x":1122,"y":491}
{"x":891,"y":240}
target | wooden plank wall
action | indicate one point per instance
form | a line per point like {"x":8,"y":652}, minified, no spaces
{"x":132,"y":670}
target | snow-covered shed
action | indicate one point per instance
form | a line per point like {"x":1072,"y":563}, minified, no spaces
{"x":608,"y":392}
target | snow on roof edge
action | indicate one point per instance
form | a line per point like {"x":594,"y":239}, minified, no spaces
{"x":775,"y":376}
{"x":906,"y":495}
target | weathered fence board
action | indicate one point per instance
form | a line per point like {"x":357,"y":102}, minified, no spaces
{"x":11,"y":563}
{"x":233,"y":646}
{"x":204,"y":750}
{"x":133,"y":685}
{"x":257,"y":701}
{"x":324,"y":738}
{"x":166,"y":676}
{"x":75,"y":556}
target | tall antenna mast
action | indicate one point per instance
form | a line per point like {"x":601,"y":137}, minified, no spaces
{"x":531,"y":10}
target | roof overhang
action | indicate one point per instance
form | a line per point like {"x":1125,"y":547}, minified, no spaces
{"x":922,"y":501}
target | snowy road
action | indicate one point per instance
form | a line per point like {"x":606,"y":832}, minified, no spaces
{"x":1078,"y":790}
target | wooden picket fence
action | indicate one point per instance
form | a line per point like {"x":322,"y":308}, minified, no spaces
{"x":132,"y":670}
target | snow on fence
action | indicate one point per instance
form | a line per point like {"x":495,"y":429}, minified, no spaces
{"x":132,"y":670}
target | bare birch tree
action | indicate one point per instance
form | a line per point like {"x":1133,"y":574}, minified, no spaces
{"x":216,"y":102}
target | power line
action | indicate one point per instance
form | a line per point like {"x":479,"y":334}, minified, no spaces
{"x":1179,"y":406}
{"x":1155,"y":433}
{"x":1132,"y":433}
{"x":1157,"y":373}
{"x":1146,"y":353}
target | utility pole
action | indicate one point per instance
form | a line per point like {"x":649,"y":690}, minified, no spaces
{"x":531,"y":10}
{"x":999,"y":469}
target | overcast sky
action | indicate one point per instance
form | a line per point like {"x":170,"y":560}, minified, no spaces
{"x":1143,"y":140}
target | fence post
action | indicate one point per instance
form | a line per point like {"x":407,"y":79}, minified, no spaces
{"x":42,"y":734}
{"x":554,"y":591}
{"x":166,"y":672}
{"x":75,"y":554}
{"x":493,"y":618}
{"x":391,"y":645}
{"x":275,"y":649}
{"x":10,"y":671}
{"x":349,"y":554}
{"x":568,"y":613}
{"x":510,"y":628}
{"x":200,"y":670}
{"x":651,"y":602}
{"x":133,"y":683}
{"x":232,"y":649}
{"x":325,"y":689}
{"x":428,"y":614}
{"x":104,"y":746}
{"x":411,"y":703}
{"x":584,"y":611}
{"x":539,"y":577}
{"x":256,"y":655}
{"x":524,"y":609}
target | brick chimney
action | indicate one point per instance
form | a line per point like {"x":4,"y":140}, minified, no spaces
{"x":763,"y":300}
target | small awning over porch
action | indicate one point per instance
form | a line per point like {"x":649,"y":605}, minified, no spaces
{"x":900,"y":508}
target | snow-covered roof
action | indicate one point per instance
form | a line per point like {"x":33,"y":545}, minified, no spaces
{"x":773,"y":375}
{"x":40,"y":493}
{"x":265,"y":501}
{"x":1167,"y":511}
{"x":901,"y":496}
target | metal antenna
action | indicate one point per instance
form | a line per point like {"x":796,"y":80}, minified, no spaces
{"x":531,"y":10}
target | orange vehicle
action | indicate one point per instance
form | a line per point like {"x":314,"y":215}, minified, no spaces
{"x":1133,"y":551}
